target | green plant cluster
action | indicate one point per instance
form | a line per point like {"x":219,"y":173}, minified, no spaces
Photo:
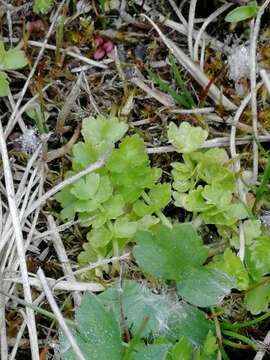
{"x":42,"y":6}
{"x":119,"y":199}
{"x":12,"y":59}
{"x":166,"y":325}
{"x":122,"y":203}
{"x":204,"y":182}
{"x":160,"y":327}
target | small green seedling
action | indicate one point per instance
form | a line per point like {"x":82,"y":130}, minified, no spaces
{"x":186,"y":100}
{"x":243,"y":12}
{"x":13,"y":59}
{"x":42,"y":6}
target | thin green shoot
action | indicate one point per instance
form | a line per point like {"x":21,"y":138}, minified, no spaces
{"x":37,"y":309}
{"x":168,"y":89}
{"x":181,"y":82}
{"x":136,"y":339}
{"x":102,"y":4}
{"x":246,"y":324}
{"x":262,"y":190}
{"x":240,"y":337}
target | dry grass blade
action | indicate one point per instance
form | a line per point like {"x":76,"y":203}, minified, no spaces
{"x":215,"y":94}
{"x":77,"y":351}
{"x":19,"y":244}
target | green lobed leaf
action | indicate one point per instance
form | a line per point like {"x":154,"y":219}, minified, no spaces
{"x":131,"y":159}
{"x":204,"y":286}
{"x":211,"y":172}
{"x":186,"y":138}
{"x":42,"y":6}
{"x":14,"y":59}
{"x":257,"y":257}
{"x":138,"y":302}
{"x":131,"y":153}
{"x":228,"y":215}
{"x":182,"y":350}
{"x":243,"y":12}
{"x":99,"y":329}
{"x":214,"y":155}
{"x":195,"y":201}
{"x":257,"y":299}
{"x":101,"y":129}
{"x":84,"y":154}
{"x":98,"y":333}
{"x":190,"y":322}
{"x":99,"y":237}
{"x":215,"y":194}
{"x":4,"y":86}
{"x":233,"y":266}
{"x":86,"y":187}
{"x":124,"y":228}
{"x":152,"y":352}
{"x":167,"y":253}
{"x":210,"y":345}
{"x":252,"y":230}
{"x":158,"y":197}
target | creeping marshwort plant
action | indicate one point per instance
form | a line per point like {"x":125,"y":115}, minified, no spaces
{"x":122,"y":205}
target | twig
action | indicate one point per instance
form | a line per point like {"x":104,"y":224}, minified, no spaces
{"x":59,"y":316}
{"x":164,"y":99}
{"x":255,"y":28}
{"x":62,"y":256}
{"x":266,"y":79}
{"x":3,"y":332}
{"x":210,"y":18}
{"x":260,"y":354}
{"x":178,"y":13}
{"x":192,"y":111}
{"x":63,"y":150}
{"x":101,"y":263}
{"x":215,"y":94}
{"x":191,"y":17}
{"x":219,"y":142}
{"x":19,"y":243}
{"x":69,"y":103}
{"x":61,"y":285}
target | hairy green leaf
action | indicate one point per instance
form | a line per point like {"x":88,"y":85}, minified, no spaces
{"x":257,"y":257}
{"x":167,"y":253}
{"x":139,"y":302}
{"x":152,"y":352}
{"x":204,"y":286}
{"x":190,"y":322}
{"x":98,"y":334}
{"x":258,"y":298}
{"x":233,"y":266}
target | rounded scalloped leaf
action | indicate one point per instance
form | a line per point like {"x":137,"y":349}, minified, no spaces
{"x":257,"y":299}
{"x":205,"y":287}
{"x":167,"y":253}
{"x":186,"y":138}
{"x":102,"y":129}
